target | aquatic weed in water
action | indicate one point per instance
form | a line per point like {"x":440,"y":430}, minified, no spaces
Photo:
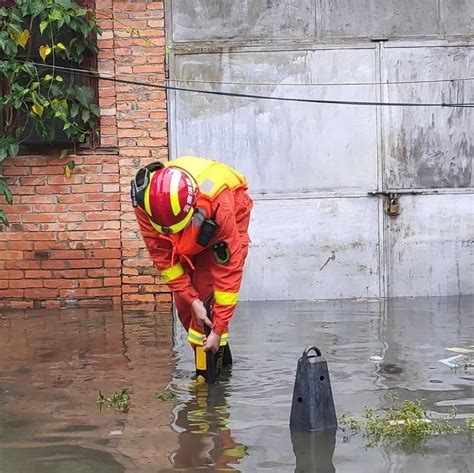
{"x":407,"y":426}
{"x":119,"y":400}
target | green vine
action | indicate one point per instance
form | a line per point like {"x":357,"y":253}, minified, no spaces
{"x":36,"y":37}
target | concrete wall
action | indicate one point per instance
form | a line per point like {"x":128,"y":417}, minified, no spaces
{"x":311,"y":167}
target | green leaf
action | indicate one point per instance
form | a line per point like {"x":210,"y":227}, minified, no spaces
{"x":8,"y":196}
{"x":69,"y":168}
{"x":47,"y":77}
{"x":55,"y":15}
{"x":3,"y":11}
{"x":43,"y":25}
{"x":94,"y":109}
{"x":38,"y":109}
{"x":64,"y":153}
{"x":60,"y":46}
{"x":3,"y":218}
{"x":74,"y":110}
{"x":84,"y":95}
{"x":85,"y":115}
{"x":66,"y":126}
{"x":13,"y":149}
{"x":59,"y":79}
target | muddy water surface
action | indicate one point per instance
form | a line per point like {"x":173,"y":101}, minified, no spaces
{"x":54,"y":363}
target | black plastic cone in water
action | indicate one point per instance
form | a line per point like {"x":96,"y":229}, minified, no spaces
{"x":313,"y":405}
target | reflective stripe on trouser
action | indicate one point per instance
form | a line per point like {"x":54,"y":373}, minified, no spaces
{"x":196,"y":338}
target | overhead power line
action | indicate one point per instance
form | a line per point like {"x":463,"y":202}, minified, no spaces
{"x":323,"y":84}
{"x":114,"y":78}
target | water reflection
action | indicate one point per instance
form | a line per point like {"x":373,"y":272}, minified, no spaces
{"x":205,"y":438}
{"x":53,"y":363}
{"x":314,"y":451}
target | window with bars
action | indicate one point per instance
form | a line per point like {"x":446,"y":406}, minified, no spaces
{"x":32,"y":141}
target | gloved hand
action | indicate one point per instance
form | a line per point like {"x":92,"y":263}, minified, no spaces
{"x":212,"y":342}
{"x":200,"y":313}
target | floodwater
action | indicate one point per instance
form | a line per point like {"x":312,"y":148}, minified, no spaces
{"x":54,"y":363}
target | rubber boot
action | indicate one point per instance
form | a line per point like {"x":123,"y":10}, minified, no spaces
{"x":227,"y":357}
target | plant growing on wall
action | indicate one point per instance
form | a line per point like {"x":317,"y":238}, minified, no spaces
{"x":37,"y":38}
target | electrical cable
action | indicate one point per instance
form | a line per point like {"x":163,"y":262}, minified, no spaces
{"x":114,"y":78}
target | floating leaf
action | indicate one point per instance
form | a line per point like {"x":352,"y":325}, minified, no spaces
{"x":43,"y":26}
{"x":44,"y":51}
{"x":38,"y":109}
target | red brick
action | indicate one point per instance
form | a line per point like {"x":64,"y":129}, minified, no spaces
{"x":104,"y":291}
{"x":91,"y":283}
{"x":100,"y":273}
{"x":11,"y":255}
{"x":84,"y":226}
{"x":56,"y":264}
{"x":70,"y":199}
{"x":22,"y":264}
{"x":37,"y":274}
{"x":104,"y":254}
{"x":138,"y":298}
{"x":85,"y":263}
{"x":72,"y":293}
{"x":69,"y":254}
{"x":52,"y":304}
{"x":11,"y":293}
{"x":20,"y":245}
{"x":138,"y":280}
{"x":25,"y":283}
{"x":33,"y":181}
{"x":61,"y":283}
{"x":86,"y":245}
{"x":41,"y":293}
{"x":86,"y":188}
{"x":113,"y":263}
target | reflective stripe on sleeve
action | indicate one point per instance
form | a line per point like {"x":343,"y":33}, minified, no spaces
{"x":172,"y":273}
{"x":197,"y":338}
{"x":226,"y":298}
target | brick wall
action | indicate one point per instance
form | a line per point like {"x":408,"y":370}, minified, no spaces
{"x":74,"y":241}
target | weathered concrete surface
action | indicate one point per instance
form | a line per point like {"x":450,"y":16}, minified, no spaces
{"x":431,"y":246}
{"x":297,"y":154}
{"x":313,"y":249}
{"x":459,"y":17}
{"x":319,"y":20}
{"x":283,"y":146}
{"x":429,"y":147}
{"x":375,"y":18}
{"x":245,"y":19}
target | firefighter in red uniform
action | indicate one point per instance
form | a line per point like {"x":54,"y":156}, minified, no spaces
{"x":194,"y":215}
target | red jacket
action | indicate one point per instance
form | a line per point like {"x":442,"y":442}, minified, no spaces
{"x":176,"y":255}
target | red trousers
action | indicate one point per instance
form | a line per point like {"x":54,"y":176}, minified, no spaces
{"x":202,"y":274}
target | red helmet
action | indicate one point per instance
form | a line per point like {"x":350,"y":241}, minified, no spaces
{"x":170,"y":199}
